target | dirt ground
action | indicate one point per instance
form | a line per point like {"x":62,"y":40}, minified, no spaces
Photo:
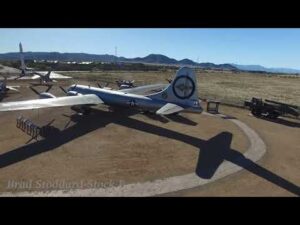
{"x":124,"y":146}
{"x":277,"y":174}
{"x":105,"y":146}
{"x":225,"y":86}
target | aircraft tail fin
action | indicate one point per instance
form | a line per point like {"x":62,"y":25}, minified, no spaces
{"x":182,"y":91}
{"x":23,"y":66}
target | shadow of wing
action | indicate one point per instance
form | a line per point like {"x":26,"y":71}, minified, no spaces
{"x":212,"y":154}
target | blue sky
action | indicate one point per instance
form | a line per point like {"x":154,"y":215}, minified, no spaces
{"x":266,"y":47}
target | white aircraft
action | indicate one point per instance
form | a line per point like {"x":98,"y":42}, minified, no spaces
{"x":45,"y":77}
{"x":180,"y":95}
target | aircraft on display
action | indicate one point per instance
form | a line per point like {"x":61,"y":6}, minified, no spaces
{"x":124,"y":84}
{"x":4,"y":88}
{"x":180,"y":95}
{"x":45,"y":77}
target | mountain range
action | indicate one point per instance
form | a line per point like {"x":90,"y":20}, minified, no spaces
{"x":152,"y":59}
{"x":265,"y":69}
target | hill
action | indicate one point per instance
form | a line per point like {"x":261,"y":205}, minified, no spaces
{"x":152,"y":59}
{"x":265,"y":69}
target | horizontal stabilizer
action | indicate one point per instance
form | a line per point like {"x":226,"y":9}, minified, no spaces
{"x":90,"y":99}
{"x":144,"y":90}
{"x":169,"y":108}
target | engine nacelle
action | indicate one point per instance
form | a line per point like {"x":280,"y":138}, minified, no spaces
{"x":46,"y":95}
{"x":73,"y":93}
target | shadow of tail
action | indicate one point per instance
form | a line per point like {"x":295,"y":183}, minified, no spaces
{"x":216,"y":150}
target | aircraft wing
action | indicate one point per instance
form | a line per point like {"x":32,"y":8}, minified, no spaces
{"x":144,"y":90}
{"x":169,"y":108}
{"x":53,"y":75}
{"x":34,"y":77}
{"x":90,"y":99}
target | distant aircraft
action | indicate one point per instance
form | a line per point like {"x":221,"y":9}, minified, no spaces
{"x":46,"y":77}
{"x":124,"y":84}
{"x":4,"y":88}
{"x":180,"y":95}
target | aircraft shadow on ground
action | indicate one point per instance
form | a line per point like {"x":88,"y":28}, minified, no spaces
{"x":212,"y":152}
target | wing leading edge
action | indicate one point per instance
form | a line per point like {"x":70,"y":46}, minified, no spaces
{"x":144,"y":90}
{"x":90,"y":99}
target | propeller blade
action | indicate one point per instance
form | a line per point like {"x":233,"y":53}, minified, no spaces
{"x":66,"y":115}
{"x":35,"y":91}
{"x":63,"y":89}
{"x":49,"y":87}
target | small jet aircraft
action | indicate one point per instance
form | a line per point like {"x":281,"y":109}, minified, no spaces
{"x":180,"y":95}
{"x":46,"y":77}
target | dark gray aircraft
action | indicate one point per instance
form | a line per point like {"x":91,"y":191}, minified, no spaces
{"x":4,"y":88}
{"x":180,"y":95}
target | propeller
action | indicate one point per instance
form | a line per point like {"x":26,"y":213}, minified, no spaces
{"x":35,"y":91}
{"x":49,"y":87}
{"x":38,"y":93}
{"x":64,"y":90}
{"x":105,"y":85}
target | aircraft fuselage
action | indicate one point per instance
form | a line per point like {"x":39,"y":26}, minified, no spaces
{"x":116,"y":98}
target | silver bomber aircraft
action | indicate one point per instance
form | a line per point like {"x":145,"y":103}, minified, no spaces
{"x":180,"y":95}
